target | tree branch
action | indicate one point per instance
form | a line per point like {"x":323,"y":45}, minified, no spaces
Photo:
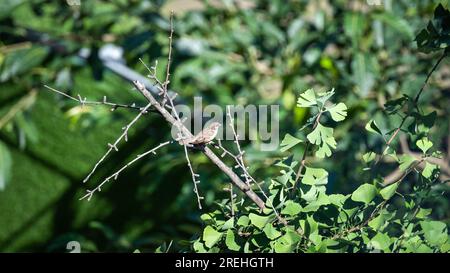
{"x":206,"y":150}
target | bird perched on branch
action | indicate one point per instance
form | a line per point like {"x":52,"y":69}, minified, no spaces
{"x":205,"y":136}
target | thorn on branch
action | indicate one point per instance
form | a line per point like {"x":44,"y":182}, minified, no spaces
{"x":113,"y":147}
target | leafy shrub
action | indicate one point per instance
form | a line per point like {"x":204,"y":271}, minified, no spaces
{"x":376,"y":217}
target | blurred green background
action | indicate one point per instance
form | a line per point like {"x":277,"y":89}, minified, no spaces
{"x":228,"y":52}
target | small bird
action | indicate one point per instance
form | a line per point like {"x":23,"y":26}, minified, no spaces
{"x":205,"y":136}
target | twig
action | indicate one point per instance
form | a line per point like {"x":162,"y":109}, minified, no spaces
{"x":416,"y":99}
{"x":84,"y":101}
{"x":305,"y":152}
{"x":169,"y":56}
{"x":232,"y":200}
{"x":194,"y":177}
{"x":115,"y":175}
{"x":248,"y":178}
{"x":113,"y":146}
{"x":163,"y":87}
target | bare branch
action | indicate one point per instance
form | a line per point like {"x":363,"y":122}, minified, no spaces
{"x":194,"y":177}
{"x":240,"y":164}
{"x":208,"y":152}
{"x":84,"y":101}
{"x":114,"y":145}
{"x":115,"y":175}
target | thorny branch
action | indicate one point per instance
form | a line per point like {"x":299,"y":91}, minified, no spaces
{"x":113,"y":146}
{"x":239,"y":158}
{"x":124,"y":135}
{"x":172,"y":119}
{"x":208,"y":152}
{"x":115,"y":175}
{"x":84,"y":101}
{"x":163,"y":88}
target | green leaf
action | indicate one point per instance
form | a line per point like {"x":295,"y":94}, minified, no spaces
{"x":291,"y":208}
{"x":323,"y":137}
{"x":377,"y":222}
{"x":199,"y":247}
{"x":228,"y":224}
{"x":307,"y":99}
{"x":381,"y":241}
{"x":369,"y":156}
{"x":230,"y":241}
{"x":424,"y":144}
{"x":364,"y":193}
{"x":406,"y":161}
{"x":271,"y":232}
{"x":338,"y":199}
{"x":394,"y":105}
{"x":211,"y":236}
{"x":5,"y":166}
{"x":243,"y":221}
{"x":258,"y":221}
{"x":429,"y":169}
{"x":389,"y":191}
{"x":315,"y":176}
{"x":435,"y":232}
{"x":423,"y":213}
{"x":288,"y":142}
{"x":314,"y":205}
{"x":372,"y":127}
{"x":338,"y":112}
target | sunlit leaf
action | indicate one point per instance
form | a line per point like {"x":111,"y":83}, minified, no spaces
{"x":338,"y":112}
{"x":288,"y":142}
{"x":364,"y":193}
{"x":211,"y":236}
{"x":323,"y":137}
{"x":230,"y":241}
{"x":424,"y":144}
{"x":307,"y":99}
{"x":388,"y":191}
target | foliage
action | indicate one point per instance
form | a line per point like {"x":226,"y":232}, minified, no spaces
{"x":265,"y":53}
{"x":363,"y":221}
{"x":367,"y":220}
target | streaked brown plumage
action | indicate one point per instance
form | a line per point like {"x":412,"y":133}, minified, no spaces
{"x":205,"y":136}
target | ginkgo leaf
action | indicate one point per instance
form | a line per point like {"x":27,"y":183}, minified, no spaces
{"x":315,"y":176}
{"x":325,"y":149}
{"x":369,"y":156}
{"x":307,"y":99}
{"x":323,"y":137}
{"x":406,"y":161}
{"x":424,"y":144}
{"x":372,"y":127}
{"x":427,"y":172}
{"x":338,"y":112}
{"x":288,"y":142}
{"x":389,"y":191}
